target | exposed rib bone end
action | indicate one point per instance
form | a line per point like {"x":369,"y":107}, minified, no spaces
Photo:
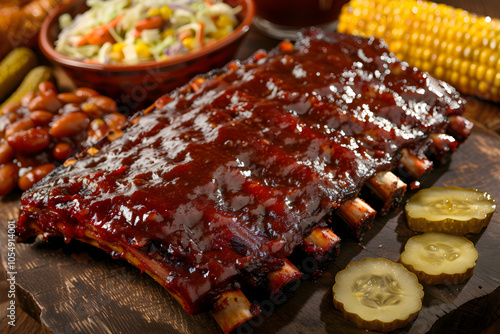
{"x":233,"y":309}
{"x":283,"y":281}
{"x":415,"y":166}
{"x":323,"y":246}
{"x":357,"y":215}
{"x":321,"y":241}
{"x":442,"y":146}
{"x":459,"y":127}
{"x":388,"y":188}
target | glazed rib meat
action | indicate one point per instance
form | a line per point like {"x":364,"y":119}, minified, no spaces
{"x":214,"y":189}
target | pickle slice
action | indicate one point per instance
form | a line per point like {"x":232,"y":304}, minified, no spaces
{"x":377,"y":294}
{"x":450,"y":210}
{"x":440,"y":258}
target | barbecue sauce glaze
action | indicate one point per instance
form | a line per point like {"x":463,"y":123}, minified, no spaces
{"x":214,"y":189}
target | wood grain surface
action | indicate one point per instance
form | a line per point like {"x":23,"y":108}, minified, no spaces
{"x":74,"y":288}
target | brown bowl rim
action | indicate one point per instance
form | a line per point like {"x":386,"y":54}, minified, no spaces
{"x":49,"y":51}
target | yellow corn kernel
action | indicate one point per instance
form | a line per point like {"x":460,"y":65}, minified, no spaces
{"x":167,"y":32}
{"x":467,"y":52}
{"x":489,"y":75}
{"x":223,"y":21}
{"x":497,"y":66}
{"x":492,"y":60}
{"x":143,"y":51}
{"x":116,"y":56}
{"x":166,"y":12}
{"x":69,"y":162}
{"x":154,"y":12}
{"x":496,"y":79}
{"x":464,"y":67}
{"x":219,"y":34}
{"x":480,"y":72}
{"x":483,"y":87}
{"x":440,"y":59}
{"x":439,"y":72}
{"x":463,"y":82}
{"x":472,"y":70}
{"x":455,"y":64}
{"x":118,"y":48}
{"x":451,"y":44}
{"x":426,"y":66}
{"x":92,"y":150}
{"x":189,"y":42}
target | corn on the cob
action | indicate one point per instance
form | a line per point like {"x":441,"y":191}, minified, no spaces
{"x":451,"y":44}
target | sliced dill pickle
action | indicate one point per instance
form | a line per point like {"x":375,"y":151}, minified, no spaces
{"x":450,"y":210}
{"x":377,"y":294}
{"x":440,"y":258}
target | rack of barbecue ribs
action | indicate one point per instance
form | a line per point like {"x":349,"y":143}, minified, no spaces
{"x":211,"y":190}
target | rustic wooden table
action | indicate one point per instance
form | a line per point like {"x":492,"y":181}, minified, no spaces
{"x":483,"y":113}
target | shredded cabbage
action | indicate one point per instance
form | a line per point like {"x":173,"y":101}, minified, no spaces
{"x":127,"y":31}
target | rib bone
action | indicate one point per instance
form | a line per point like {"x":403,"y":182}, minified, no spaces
{"x":442,"y":146}
{"x":357,"y":214}
{"x":321,"y":241}
{"x":322,"y":244}
{"x":387,"y":187}
{"x":279,"y":280}
{"x":233,"y":309}
{"x":415,"y":166}
{"x":459,"y":127}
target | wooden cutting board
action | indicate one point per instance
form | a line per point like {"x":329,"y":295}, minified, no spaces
{"x":74,"y":288}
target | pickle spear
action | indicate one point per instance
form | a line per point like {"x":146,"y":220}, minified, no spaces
{"x":440,"y":258}
{"x":449,"y":210}
{"x":377,"y":294}
{"x":13,"y":68}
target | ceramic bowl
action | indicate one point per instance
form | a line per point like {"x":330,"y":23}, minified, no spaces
{"x":138,"y":85}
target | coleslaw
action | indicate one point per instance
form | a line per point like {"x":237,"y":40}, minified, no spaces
{"x":131,"y":32}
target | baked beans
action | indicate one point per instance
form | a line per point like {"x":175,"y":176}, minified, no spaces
{"x":47,"y":128}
